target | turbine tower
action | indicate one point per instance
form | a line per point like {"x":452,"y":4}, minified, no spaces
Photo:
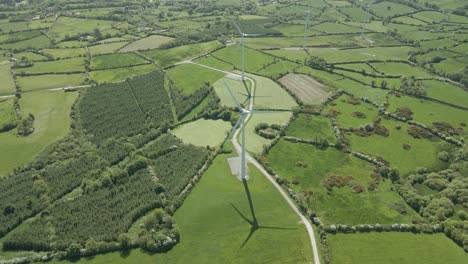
{"x":244,"y":113}
{"x":306,"y":26}
{"x":243,"y":57}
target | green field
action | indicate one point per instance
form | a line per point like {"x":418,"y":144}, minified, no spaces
{"x":38,"y":42}
{"x":427,"y":112}
{"x":190,"y":77}
{"x":311,"y":127}
{"x":57,"y":66}
{"x":52,"y":121}
{"x":237,"y":88}
{"x":346,"y":117}
{"x":395,"y":68}
{"x":65,"y":53}
{"x":366,"y":207}
{"x":116,"y":75}
{"x":203,"y":132}
{"x":212,"y":231}
{"x":254,"y":142}
{"x":423,"y":153}
{"x":106,"y":48}
{"x":269,"y":95}
{"x":118,"y":60}
{"x":151,"y":42}
{"x":394,"y":248}
{"x":7,"y":85}
{"x":386,"y":9}
{"x":446,"y":92}
{"x":69,"y":26}
{"x":49,"y":81}
{"x":7,"y":114}
{"x":177,"y":54}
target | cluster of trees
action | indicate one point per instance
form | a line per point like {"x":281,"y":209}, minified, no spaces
{"x":409,"y":85}
{"x":185,"y":104}
{"x":124,"y":109}
{"x":316,"y":63}
{"x":111,"y":198}
{"x":448,"y":203}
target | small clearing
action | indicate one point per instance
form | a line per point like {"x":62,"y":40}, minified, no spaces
{"x":306,"y":88}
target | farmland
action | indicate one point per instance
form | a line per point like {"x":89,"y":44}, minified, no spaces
{"x":114,"y":119}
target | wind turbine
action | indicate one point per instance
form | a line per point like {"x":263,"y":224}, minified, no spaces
{"x":243,"y":57}
{"x":243,"y":115}
{"x":306,"y":26}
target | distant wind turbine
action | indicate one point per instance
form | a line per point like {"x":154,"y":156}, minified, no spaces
{"x":242,"y":44}
{"x":306,"y":26}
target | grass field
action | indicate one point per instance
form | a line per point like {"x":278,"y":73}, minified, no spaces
{"x":329,"y":27}
{"x":106,"y":48}
{"x":376,"y":53}
{"x":190,"y":77}
{"x":177,"y":54}
{"x":117,"y":60}
{"x":366,"y":207}
{"x":116,"y":75}
{"x":7,"y":83}
{"x":254,"y":60}
{"x":423,"y":153}
{"x":269,"y":95}
{"x":151,"y":42}
{"x":7,"y":113}
{"x":38,"y":42}
{"x":395,"y":68}
{"x":237,"y":88}
{"x":446,"y":92}
{"x":305,"y":88}
{"x":311,"y":127}
{"x":57,"y":66}
{"x":398,"y":248}
{"x":52,"y":121}
{"x":49,"y":81}
{"x":382,"y":9}
{"x":278,"y":69}
{"x":346,"y":117}
{"x":203,"y":132}
{"x":31,"y":56}
{"x":427,"y":112}
{"x":212,"y":231}
{"x":69,"y":26}
{"x":254,"y":142}
{"x":65,"y":53}
{"x":215,"y":63}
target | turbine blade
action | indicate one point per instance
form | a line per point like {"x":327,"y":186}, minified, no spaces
{"x":234,"y":128}
{"x":233,"y":97}
{"x":267,"y":111}
{"x":237,"y":27}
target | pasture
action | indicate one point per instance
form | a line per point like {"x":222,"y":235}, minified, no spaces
{"x":190,"y":77}
{"x":106,"y":48}
{"x":216,"y":216}
{"x":237,"y":88}
{"x":311,"y":127}
{"x":401,"y":248}
{"x":366,"y":207}
{"x":203,"y":132}
{"x":52,"y":122}
{"x":49,"y":81}
{"x":166,"y":57}
{"x":151,"y":42}
{"x":118,"y":60}
{"x":57,"y":66}
{"x":305,"y":88}
{"x":119,"y":74}
{"x":7,"y":83}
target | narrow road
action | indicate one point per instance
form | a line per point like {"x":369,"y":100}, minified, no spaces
{"x":250,"y":159}
{"x":49,"y":89}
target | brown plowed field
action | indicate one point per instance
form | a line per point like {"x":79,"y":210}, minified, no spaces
{"x":306,"y":88}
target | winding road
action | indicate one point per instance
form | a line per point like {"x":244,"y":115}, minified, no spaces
{"x":250,"y":159}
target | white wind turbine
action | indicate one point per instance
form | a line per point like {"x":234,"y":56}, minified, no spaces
{"x":306,"y":26}
{"x":243,"y":115}
{"x":242,"y":44}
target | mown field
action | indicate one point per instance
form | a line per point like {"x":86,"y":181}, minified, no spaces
{"x":399,"y":248}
